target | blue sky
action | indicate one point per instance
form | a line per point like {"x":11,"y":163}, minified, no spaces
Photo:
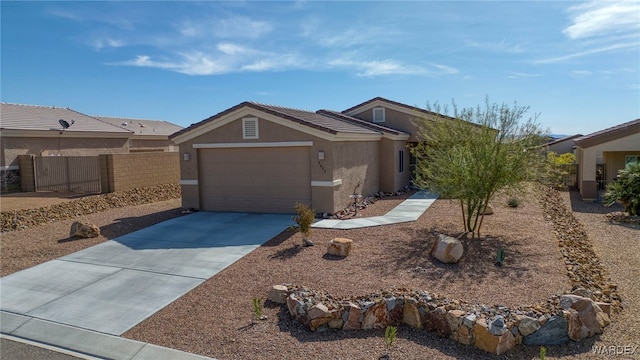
{"x":577,"y":64}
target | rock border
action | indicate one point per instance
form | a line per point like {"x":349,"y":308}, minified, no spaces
{"x":582,"y":312}
{"x":23,"y":219}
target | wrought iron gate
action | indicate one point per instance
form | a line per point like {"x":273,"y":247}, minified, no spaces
{"x":79,"y":174}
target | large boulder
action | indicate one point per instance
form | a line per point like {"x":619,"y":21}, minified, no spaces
{"x":496,"y":344}
{"x":339,"y":247}
{"x":278,"y":294}
{"x":84,"y":230}
{"x":447,"y":249}
{"x":553,"y":332}
{"x":584,"y":317}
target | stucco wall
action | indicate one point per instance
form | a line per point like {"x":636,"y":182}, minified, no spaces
{"x":137,"y":145}
{"x":395,"y":120}
{"x":356,"y":163}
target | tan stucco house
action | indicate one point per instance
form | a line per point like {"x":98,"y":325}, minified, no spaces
{"x":613,"y":147}
{"x":37,"y":130}
{"x":262,"y":158}
{"x":563,"y":145}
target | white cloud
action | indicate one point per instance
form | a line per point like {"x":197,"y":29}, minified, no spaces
{"x":232,"y":49}
{"x":195,"y":63}
{"x":497,"y":46}
{"x":598,"y":18}
{"x":581,"y":73}
{"x":603,"y":49}
{"x":107,"y":43}
{"x":519,"y":75}
{"x":389,"y":67}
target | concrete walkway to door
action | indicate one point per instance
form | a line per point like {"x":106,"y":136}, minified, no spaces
{"x":111,"y":287}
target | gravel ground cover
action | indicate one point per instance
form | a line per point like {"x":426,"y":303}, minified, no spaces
{"x":215,"y":318}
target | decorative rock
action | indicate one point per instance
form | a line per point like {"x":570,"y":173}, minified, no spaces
{"x":84,"y":230}
{"x":487,"y":211}
{"x":339,"y":247}
{"x":376,"y":317}
{"x":295,"y":306}
{"x":447,"y":249}
{"x":354,"y":320}
{"x":583,"y":292}
{"x":464,"y":335}
{"x":336,"y":324}
{"x":527,"y":325}
{"x":605,"y":307}
{"x":553,"y":332}
{"x":436,"y":321}
{"x":278,"y":294}
{"x":584,"y":317}
{"x":318,"y":310}
{"x":486,"y":341}
{"x":497,"y":326}
{"x":454,"y":319}
{"x":411,"y":315}
{"x":469,"y":320}
{"x":395,"y":309}
{"x":307,"y":242}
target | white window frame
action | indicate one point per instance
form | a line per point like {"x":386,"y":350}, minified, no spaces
{"x":401,"y":162}
{"x":373,"y":116}
{"x":246,"y":122}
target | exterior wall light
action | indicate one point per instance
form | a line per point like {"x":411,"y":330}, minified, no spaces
{"x":186,"y":156}
{"x":320,"y":155}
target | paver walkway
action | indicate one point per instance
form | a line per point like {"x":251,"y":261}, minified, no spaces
{"x":408,"y":210}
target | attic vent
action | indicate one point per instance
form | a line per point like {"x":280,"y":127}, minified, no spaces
{"x":250,"y":128}
{"x":378,"y":115}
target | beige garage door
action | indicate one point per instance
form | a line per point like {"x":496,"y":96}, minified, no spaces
{"x":255,"y":179}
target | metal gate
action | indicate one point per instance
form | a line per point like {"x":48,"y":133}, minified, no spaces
{"x":79,"y":174}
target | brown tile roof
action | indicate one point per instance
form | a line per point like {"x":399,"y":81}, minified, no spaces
{"x":32,"y":117}
{"x":142,"y":127}
{"x":609,"y":134}
{"x":360,"y":122}
{"x":308,"y":118}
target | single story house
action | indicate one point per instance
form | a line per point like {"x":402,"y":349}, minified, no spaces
{"x":58,"y":131}
{"x":256,"y":157}
{"x":562,"y":145}
{"x":614,"y":147}
{"x":147,"y":135}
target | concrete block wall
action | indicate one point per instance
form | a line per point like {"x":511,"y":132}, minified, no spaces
{"x":126,"y":171}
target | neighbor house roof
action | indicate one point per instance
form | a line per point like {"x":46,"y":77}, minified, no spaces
{"x":360,"y":122}
{"x":562,"y":139}
{"x":609,"y":134}
{"x":44,"y":119}
{"x":142,"y":127}
{"x":320,"y":121}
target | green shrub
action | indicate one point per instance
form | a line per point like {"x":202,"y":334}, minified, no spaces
{"x":626,"y":189}
{"x":513,"y":202}
{"x":390,"y":335}
{"x":304,"y":218}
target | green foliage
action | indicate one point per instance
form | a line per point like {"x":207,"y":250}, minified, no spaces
{"x":513,"y":202}
{"x":500,"y":255}
{"x":475,"y":153}
{"x":626,"y":189}
{"x":257,"y":308}
{"x":557,"y":168}
{"x":304,"y":218}
{"x":543,"y":352}
{"x":390,"y":335}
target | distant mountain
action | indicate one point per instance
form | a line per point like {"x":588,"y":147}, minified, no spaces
{"x":557,"y":136}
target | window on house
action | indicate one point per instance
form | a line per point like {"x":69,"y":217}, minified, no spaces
{"x":378,"y":115}
{"x":401,"y":161}
{"x":250,"y":128}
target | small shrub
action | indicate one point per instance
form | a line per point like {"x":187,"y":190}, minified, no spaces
{"x":390,"y":335}
{"x":304,"y":218}
{"x":257,"y":309}
{"x":500,"y":254}
{"x":626,"y":189}
{"x":543,"y":352}
{"x":513,"y":202}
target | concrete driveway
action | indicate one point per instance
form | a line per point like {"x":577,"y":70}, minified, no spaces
{"x":113,"y":286}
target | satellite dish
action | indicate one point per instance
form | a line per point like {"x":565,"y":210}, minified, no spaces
{"x":65,"y":124}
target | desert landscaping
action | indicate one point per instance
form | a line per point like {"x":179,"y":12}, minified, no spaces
{"x":216,"y":319}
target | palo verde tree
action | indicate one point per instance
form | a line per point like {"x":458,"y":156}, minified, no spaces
{"x":474,"y":153}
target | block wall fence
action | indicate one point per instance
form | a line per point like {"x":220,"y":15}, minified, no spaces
{"x":120,"y":172}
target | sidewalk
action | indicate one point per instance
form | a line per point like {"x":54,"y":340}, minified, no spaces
{"x":408,"y":210}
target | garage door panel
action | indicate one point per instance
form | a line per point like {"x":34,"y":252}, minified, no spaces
{"x":254,"y":180}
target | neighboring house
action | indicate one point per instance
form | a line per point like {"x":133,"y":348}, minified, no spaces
{"x":563,"y":145}
{"x":614,"y":147}
{"x":263,"y":158}
{"x":38,"y":130}
{"x":29,"y":129}
{"x":148,"y":135}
